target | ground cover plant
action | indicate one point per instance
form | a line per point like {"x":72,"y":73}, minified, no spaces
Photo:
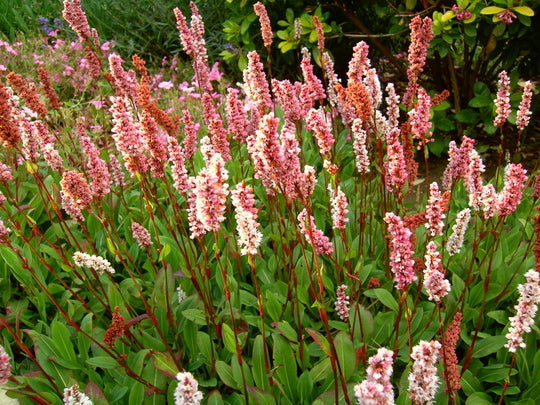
{"x":168,"y":240}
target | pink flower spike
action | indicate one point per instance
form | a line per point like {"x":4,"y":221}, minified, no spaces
{"x":314,"y":236}
{"x":187,"y":391}
{"x":436,"y":285}
{"x":401,"y":262}
{"x":421,"y":35}
{"x":420,"y":119}
{"x":434,"y":211}
{"x":455,"y":241}
{"x":359,"y":146}
{"x":255,"y":84}
{"x":342,"y":303}
{"x":141,"y":235}
{"x":526,"y":308}
{"x":249,"y":237}
{"x":339,"y":203}
{"x":5,"y":366}
{"x":266,"y":28}
{"x":376,"y":388}
{"x":502,"y":102}
{"x":423,"y":380}
{"x":524,"y":112}
{"x":317,"y":122}
{"x":514,"y":182}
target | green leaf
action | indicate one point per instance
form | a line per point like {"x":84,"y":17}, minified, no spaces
{"x":229,"y":339}
{"x":494,"y":373}
{"x":215,"y":398}
{"x":225,"y":374}
{"x":259,"y":368}
{"x":195,"y":315}
{"x":480,"y":101}
{"x":165,"y":364}
{"x":479,"y":398}
{"x":62,"y":340}
{"x":467,"y":116}
{"x":261,"y":397}
{"x":488,"y":345}
{"x":346,"y":354}
{"x":384,"y":296}
{"x":321,"y":341}
{"x":285,"y":365}
{"x":104,"y":362}
{"x":286,"y":330}
{"x":469,"y":383}
{"x":321,"y":370}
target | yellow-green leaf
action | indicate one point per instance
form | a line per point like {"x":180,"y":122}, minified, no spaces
{"x":524,"y":10}
{"x":492,"y":10}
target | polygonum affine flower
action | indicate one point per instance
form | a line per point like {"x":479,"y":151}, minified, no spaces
{"x":266,"y":29}
{"x":514,"y":182}
{"x":75,"y":16}
{"x":287,"y":95}
{"x":97,"y":167}
{"x":423,"y":380}
{"x":435,"y":211}
{"x":97,"y":263}
{"x":455,"y":241}
{"x":5,"y":366}
{"x":332,"y":79}
{"x":359,"y":63}
{"x":141,"y":235}
{"x":178,"y":166}
{"x":255,"y":83}
{"x":76,"y":194}
{"x":236,"y":116}
{"x":449,"y":357}
{"x":72,"y":396}
{"x":342,"y":303}
{"x":436,"y":285}
{"x":314,"y":236}
{"x":215,"y":127}
{"x":312,"y":88}
{"x":322,"y":130}
{"x":395,"y":170}
{"x":502,"y":102}
{"x":116,"y":329}
{"x":524,"y":111}
{"x":401,"y":262}
{"x":9,"y":130}
{"x":206,"y":202}
{"x":376,"y":388}
{"x":187,"y":392}
{"x":458,"y":165}
{"x":181,"y":294}
{"x":359,"y":146}
{"x":373,"y":86}
{"x":421,"y":35}
{"x":529,"y":298}
{"x":474,"y":182}
{"x":420,"y":119}
{"x":392,"y":101}
{"x":339,"y":211}
{"x":249,"y":237}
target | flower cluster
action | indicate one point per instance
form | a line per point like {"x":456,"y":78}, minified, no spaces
{"x":502,"y":102}
{"x":97,"y":263}
{"x":376,"y":388}
{"x":314,"y":236}
{"x":266,"y":29}
{"x":423,"y":380}
{"x":72,"y":396}
{"x":249,"y":236}
{"x":342,"y":303}
{"x":434,"y":282}
{"x":141,"y":235}
{"x":455,"y":241}
{"x":187,"y":392}
{"x":339,"y":203}
{"x":529,"y":298}
{"x":5,"y":366}
{"x":401,"y":251}
{"x":461,"y":14}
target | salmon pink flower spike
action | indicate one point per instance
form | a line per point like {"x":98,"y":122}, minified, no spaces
{"x":376,"y":388}
{"x":73,"y":396}
{"x":473,"y":180}
{"x":186,"y":36}
{"x":156,"y":144}
{"x":125,"y":82}
{"x":255,"y":83}
{"x":401,"y":251}
{"x":392,"y":101}
{"x":117,"y":173}
{"x":288,"y":96}
{"x":342,"y":303}
{"x":423,"y":380}
{"x":332,"y":79}
{"x":178,"y":169}
{"x":420,"y":119}
{"x":526,"y":308}
{"x":359,"y":63}
{"x":502,"y":102}
{"x":395,"y":165}
{"x":435,"y":284}
{"x":451,"y":369}
{"x":97,"y":167}
{"x":524,"y":111}
{"x":312,"y":88}
{"x":373,"y":86}
{"x":215,"y":127}
{"x":75,"y":16}
{"x":321,"y":128}
{"x":187,"y":391}
{"x":314,"y":236}
{"x":249,"y":237}
{"x":207,"y":200}
{"x":359,"y":146}
{"x":435,"y":211}
{"x":236,"y":116}
{"x":190,"y":134}
{"x":339,"y":203}
{"x":421,"y":35}
{"x":458,"y":166}
{"x":266,"y":28}
{"x":141,"y":235}
{"x":5,"y":366}
{"x":455,"y":241}
{"x":75,"y":193}
{"x":514,"y":181}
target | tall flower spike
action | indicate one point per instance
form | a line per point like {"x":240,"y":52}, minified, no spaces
{"x":436,"y":285}
{"x":97,"y":167}
{"x":392,"y":101}
{"x":421,"y":35}
{"x":236,"y":116}
{"x":339,"y":203}
{"x":321,"y":128}
{"x":401,"y":262}
{"x":314,"y":236}
{"x":529,"y":298}
{"x":376,"y":388}
{"x":451,"y":370}
{"x":5,"y":366}
{"x":249,"y":236}
{"x":255,"y":83}
{"x":141,"y":235}
{"x":187,"y":391}
{"x":359,"y":63}
{"x":524,"y":111}
{"x":75,"y":16}
{"x":502,"y":102}
{"x":455,"y":241}
{"x":312,"y":88}
{"x":76,"y":194}
{"x":458,"y":166}
{"x":10,"y":134}
{"x":215,"y":127}
{"x":342,"y":303}
{"x":359,"y":146}
{"x":178,"y":169}
{"x":435,"y":211}
{"x":395,"y":170}
{"x":514,"y":182}
{"x":420,"y":119}
{"x":423,"y":380}
{"x":266,"y":28}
